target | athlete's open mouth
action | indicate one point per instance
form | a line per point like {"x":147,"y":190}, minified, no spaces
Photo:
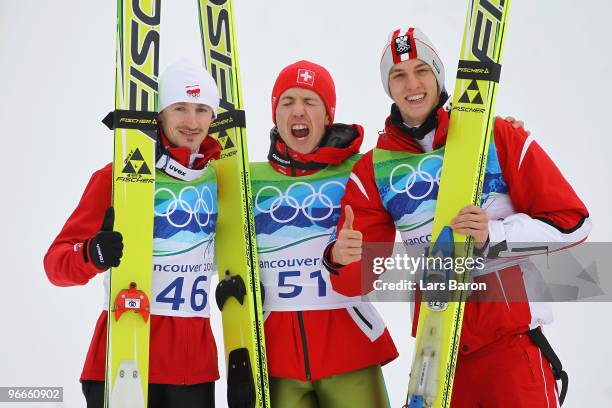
{"x":300,"y":131}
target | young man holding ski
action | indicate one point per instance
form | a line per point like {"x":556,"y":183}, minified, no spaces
{"x":498,"y":364}
{"x":324,"y":350}
{"x":183,"y":353}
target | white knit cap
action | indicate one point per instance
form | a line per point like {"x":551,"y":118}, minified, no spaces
{"x":403,"y":45}
{"x":184,"y":81}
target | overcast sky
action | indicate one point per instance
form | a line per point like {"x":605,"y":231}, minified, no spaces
{"x":57,"y":71}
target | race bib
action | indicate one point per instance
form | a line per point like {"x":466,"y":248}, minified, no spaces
{"x":294,"y":219}
{"x":185,"y":219}
{"x":184,"y":245}
{"x":181,"y":283}
{"x":294,"y":279}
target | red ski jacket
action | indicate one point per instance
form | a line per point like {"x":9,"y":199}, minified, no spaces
{"x":539,"y":206}
{"x":182,"y":349}
{"x":313,"y":344}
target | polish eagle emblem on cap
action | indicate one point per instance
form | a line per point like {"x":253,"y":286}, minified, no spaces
{"x":193,"y":91}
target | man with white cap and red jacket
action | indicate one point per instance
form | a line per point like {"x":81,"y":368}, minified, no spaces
{"x":183,"y":353}
{"x":525,"y":199}
{"x":325,"y":350}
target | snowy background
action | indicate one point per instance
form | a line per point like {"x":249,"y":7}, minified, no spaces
{"x":57,"y":82}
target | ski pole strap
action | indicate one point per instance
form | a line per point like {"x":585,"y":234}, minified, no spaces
{"x":129,"y":119}
{"x":228,"y":120}
{"x":540,"y":340}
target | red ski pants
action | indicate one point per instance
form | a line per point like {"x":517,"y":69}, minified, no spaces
{"x":511,"y":372}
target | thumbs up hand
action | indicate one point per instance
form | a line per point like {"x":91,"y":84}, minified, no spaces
{"x":347,"y":248}
{"x":105,"y":249}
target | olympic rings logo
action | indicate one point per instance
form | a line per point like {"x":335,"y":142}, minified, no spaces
{"x":415,"y":176}
{"x":305,"y":206}
{"x":197,"y":206}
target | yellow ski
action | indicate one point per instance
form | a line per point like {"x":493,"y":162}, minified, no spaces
{"x":134,"y":123}
{"x":463,"y":169}
{"x":238,"y":295}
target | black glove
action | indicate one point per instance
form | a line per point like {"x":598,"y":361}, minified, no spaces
{"x":105,"y":249}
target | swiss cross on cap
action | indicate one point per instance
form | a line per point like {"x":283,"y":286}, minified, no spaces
{"x":306,"y":76}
